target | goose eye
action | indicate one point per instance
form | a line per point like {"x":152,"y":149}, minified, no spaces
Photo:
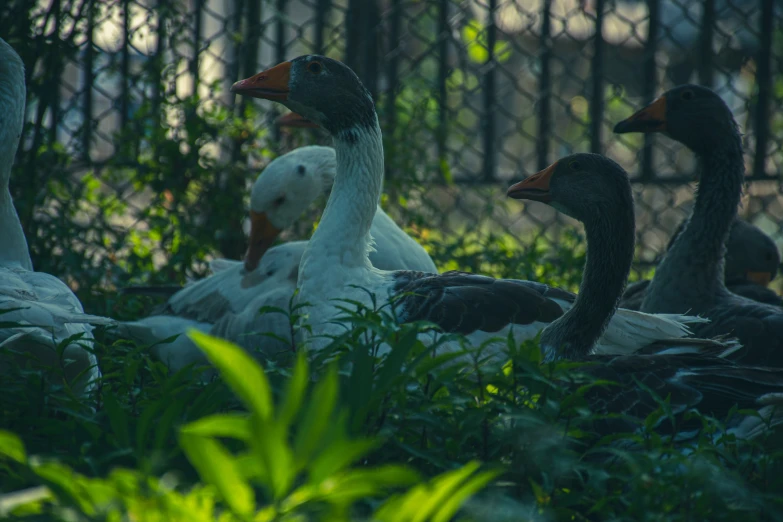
{"x":315,"y":67}
{"x":279,"y":201}
{"x":574,"y":165}
{"x":301,"y":170}
{"x":687,"y":95}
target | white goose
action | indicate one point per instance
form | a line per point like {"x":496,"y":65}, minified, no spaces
{"x":335,"y":261}
{"x":227,"y":302}
{"x":46,"y":306}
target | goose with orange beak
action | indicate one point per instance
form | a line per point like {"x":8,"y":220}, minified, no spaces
{"x":691,"y":276}
{"x":335,"y":264}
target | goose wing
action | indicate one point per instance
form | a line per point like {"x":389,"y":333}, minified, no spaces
{"x":464,"y":303}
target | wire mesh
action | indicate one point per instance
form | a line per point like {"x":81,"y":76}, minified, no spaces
{"x":135,"y":158}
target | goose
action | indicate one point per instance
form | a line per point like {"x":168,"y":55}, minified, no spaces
{"x":45,"y":309}
{"x":335,"y":264}
{"x":237,"y":319}
{"x":690,"y":278}
{"x":227,"y":302}
{"x":752,"y":260}
{"x":597,"y":191}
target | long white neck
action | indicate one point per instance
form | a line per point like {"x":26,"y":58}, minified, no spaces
{"x":343,"y":236}
{"x":13,"y":245}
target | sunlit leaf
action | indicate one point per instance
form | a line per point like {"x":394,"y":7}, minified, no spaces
{"x":240,"y":371}
{"x":217,"y":467}
{"x":12,"y":447}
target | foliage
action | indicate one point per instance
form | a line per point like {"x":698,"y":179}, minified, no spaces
{"x":361,"y":432}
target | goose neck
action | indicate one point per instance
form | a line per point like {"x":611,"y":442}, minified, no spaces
{"x":343,"y":235}
{"x":694,"y":265}
{"x":610,"y":246}
{"x":14,"y":249}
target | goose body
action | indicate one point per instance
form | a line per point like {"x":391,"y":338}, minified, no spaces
{"x":335,"y":265}
{"x":45,"y":310}
{"x":228,"y":301}
{"x":691,"y":276}
{"x":711,"y":385}
{"x":752,"y":260}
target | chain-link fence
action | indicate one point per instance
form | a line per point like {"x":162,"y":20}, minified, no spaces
{"x":136,"y":161}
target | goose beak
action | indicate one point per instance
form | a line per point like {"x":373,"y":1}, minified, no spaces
{"x":650,"y":119}
{"x":262,"y":235}
{"x":760,"y":278}
{"x":293,"y":119}
{"x":271,"y":84}
{"x":534,"y":188}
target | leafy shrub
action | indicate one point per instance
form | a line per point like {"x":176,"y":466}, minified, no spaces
{"x":347,"y":434}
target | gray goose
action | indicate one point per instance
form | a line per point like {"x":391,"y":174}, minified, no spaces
{"x":752,"y":260}
{"x":690,"y":278}
{"x":595,"y":190}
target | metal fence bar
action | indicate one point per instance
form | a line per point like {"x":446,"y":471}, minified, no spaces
{"x":251,"y":39}
{"x":321,"y":16}
{"x":392,"y":69}
{"x":650,"y":84}
{"x":280,"y":56}
{"x":160,"y":49}
{"x":705,"y":43}
{"x":88,"y":78}
{"x":125,"y":66}
{"x":370,"y":23}
{"x":352,"y":33}
{"x":443,"y":72}
{"x":488,"y":126}
{"x":280,"y":50}
{"x":55,"y":65}
{"x":544,"y":87}
{"x":764,"y":82}
{"x":198,"y":16}
{"x":597,"y":72}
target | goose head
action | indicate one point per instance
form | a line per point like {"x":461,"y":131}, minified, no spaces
{"x":586,"y":187}
{"x":283,"y":191}
{"x":320,"y":89}
{"x":751,"y":255}
{"x":691,"y":114}
{"x":12,"y":100}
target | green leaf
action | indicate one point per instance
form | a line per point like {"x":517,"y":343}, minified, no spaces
{"x":269,"y":443}
{"x":295,"y":391}
{"x":338,"y":456}
{"x":118,"y":420}
{"x":437,"y":500}
{"x":240,"y":371}
{"x":234,"y":425}
{"x":317,"y":416}
{"x":217,"y":467}
{"x":454,"y":501}
{"x":12,"y":447}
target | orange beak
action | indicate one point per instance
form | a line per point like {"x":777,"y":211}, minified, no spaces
{"x":760,"y":278}
{"x":271,"y":84}
{"x":650,"y":119}
{"x":262,"y":235}
{"x":534,"y":188}
{"x":293,"y":119}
